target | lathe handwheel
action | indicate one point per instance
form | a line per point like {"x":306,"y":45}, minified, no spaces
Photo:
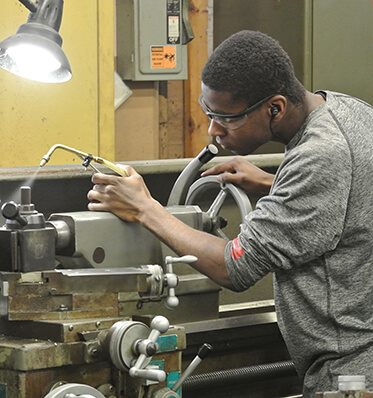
{"x":213,"y":222}
{"x":122,"y":336}
{"x":74,"y":390}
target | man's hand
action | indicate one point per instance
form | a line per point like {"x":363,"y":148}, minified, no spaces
{"x":127,"y":197}
{"x":240,"y":172}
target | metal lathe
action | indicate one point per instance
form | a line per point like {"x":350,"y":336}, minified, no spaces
{"x":92,"y":306}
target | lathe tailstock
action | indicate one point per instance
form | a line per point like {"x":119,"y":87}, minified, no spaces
{"x":93,"y":306}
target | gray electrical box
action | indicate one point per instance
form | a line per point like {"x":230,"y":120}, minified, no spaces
{"x":152,"y":37}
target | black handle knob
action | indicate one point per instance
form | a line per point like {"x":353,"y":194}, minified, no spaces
{"x":207,"y":153}
{"x":205,"y":350}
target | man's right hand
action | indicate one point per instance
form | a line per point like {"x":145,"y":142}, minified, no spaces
{"x":240,"y":172}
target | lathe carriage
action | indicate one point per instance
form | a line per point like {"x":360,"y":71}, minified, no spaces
{"x":86,"y":303}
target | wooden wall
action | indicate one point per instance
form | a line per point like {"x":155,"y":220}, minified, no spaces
{"x":163,"y":120}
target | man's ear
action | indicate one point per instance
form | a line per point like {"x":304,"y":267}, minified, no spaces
{"x":277,"y":104}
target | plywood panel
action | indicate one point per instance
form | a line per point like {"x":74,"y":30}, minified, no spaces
{"x":137,"y":125}
{"x":35,"y":116}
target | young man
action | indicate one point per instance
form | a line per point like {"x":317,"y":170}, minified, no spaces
{"x":314,"y":228}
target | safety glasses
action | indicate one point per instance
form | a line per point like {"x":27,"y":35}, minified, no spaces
{"x":231,"y":121}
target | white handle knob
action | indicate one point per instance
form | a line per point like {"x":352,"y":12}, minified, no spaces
{"x":188,"y":259}
{"x":159,"y":325}
{"x":148,"y":374}
{"x":172,"y":280}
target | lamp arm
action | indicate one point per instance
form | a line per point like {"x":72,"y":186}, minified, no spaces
{"x":30,"y":5}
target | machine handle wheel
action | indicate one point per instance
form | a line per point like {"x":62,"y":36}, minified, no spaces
{"x":132,"y":344}
{"x":72,"y":390}
{"x":212,"y":222}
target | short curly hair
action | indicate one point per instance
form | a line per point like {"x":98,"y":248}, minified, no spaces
{"x":251,"y":66}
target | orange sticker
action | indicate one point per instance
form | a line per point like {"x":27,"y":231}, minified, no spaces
{"x":163,"y":57}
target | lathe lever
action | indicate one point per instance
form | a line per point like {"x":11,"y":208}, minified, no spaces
{"x":158,"y":326}
{"x":166,"y":392}
{"x":180,"y":188}
{"x":171,"y":279}
{"x":202,"y":354}
{"x":10,"y":210}
{"x":148,"y":374}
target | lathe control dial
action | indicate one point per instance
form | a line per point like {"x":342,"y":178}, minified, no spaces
{"x":132,"y":344}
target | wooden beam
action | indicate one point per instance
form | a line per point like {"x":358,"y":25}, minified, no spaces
{"x":171,"y":119}
{"x":196,"y":122}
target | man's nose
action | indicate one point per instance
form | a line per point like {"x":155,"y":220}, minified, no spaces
{"x":215,"y":129}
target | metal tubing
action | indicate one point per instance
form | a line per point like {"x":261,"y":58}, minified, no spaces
{"x":249,"y":373}
{"x":86,"y":156}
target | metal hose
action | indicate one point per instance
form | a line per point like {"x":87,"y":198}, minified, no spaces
{"x":248,"y":373}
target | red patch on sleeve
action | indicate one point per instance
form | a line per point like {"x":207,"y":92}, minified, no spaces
{"x":237,"y":250}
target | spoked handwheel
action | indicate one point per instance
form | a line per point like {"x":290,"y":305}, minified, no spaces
{"x":212,"y":221}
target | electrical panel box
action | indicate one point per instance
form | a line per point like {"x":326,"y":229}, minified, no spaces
{"x":152,"y":37}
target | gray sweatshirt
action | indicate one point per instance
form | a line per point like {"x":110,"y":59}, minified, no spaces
{"x":314,"y":232}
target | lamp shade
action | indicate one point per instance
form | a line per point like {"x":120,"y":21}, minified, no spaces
{"x":35,"y":52}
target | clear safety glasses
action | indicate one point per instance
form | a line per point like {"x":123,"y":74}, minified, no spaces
{"x":231,"y":121}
